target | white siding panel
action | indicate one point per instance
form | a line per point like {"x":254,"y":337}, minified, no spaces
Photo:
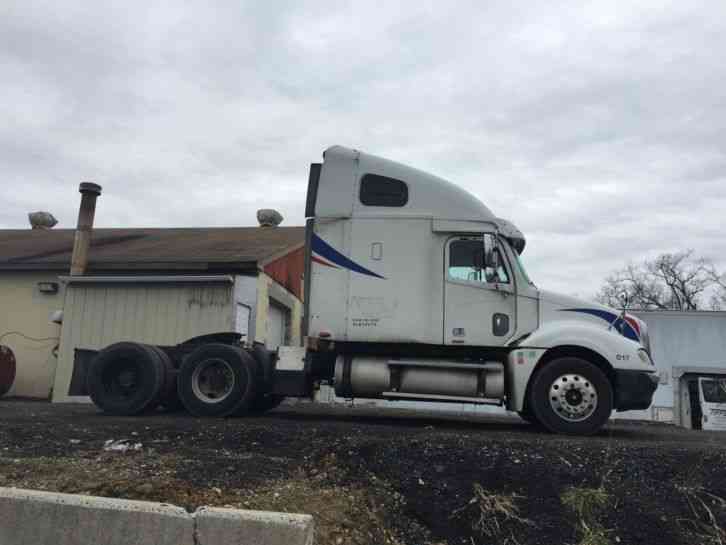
{"x":245,"y":294}
{"x":684,"y":339}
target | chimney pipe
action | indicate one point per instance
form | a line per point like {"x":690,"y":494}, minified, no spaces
{"x":89,"y":193}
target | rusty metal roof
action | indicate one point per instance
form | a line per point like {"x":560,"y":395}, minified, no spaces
{"x":204,"y":248}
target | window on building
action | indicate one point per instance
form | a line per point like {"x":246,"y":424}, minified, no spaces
{"x":378,"y":190}
{"x":466,"y":262}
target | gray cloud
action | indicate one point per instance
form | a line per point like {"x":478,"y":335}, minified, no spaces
{"x":599,"y":129}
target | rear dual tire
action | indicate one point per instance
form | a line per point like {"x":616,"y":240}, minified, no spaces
{"x":218,"y":380}
{"x":168,"y":396}
{"x":264,"y":403}
{"x":127,"y":378}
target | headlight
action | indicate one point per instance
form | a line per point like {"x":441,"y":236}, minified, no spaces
{"x":644,"y":357}
{"x":644,"y":336}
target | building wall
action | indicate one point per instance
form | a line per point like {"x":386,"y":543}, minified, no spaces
{"x":96,"y":315}
{"x":25,"y":309}
{"x":288,"y":271}
{"x":267,"y":289}
{"x":683,"y":339}
{"x":245,"y":294}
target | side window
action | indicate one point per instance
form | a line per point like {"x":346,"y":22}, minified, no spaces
{"x":500,"y":274}
{"x":382,"y":191}
{"x":466,"y":262}
{"x":466,"y":258}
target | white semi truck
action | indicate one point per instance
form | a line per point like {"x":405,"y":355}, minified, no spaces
{"x":414,"y":290}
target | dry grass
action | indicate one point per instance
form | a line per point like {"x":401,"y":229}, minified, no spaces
{"x":587,"y":504}
{"x":492,"y":511}
{"x":703,"y":523}
{"x":343,"y":514}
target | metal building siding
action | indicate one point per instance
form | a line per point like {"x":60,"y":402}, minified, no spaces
{"x":96,"y":315}
{"x":683,"y":339}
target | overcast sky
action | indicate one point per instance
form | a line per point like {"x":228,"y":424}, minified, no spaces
{"x":599,"y":129}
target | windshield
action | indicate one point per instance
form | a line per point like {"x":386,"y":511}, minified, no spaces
{"x":714,"y":391}
{"x":522,"y":269}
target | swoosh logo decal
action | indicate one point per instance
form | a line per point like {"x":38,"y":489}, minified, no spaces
{"x":627,"y":327}
{"x":330,"y":257}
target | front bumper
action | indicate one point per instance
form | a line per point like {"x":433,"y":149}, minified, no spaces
{"x":634,"y":389}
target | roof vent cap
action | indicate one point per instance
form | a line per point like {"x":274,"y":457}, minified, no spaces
{"x":42,"y":220}
{"x":267,"y":217}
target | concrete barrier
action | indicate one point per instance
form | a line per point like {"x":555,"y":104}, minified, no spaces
{"x":30,"y":517}
{"x":215,"y":525}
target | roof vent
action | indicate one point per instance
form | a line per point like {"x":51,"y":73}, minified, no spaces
{"x":268,"y":217}
{"x":42,"y":220}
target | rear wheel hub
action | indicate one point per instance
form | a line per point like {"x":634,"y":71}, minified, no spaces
{"x":213,"y":380}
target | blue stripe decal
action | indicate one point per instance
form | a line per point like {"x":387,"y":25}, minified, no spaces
{"x":611,"y":318}
{"x":323,"y":249}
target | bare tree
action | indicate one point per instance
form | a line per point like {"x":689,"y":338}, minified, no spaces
{"x":718,"y":297}
{"x":675,"y":281}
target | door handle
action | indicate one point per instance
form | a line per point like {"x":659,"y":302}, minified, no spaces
{"x":500,"y":324}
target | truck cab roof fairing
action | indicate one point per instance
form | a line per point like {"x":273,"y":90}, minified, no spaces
{"x":429,"y":196}
{"x":509,"y":231}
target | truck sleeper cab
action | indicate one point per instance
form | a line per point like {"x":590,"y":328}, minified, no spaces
{"x":415,"y":290}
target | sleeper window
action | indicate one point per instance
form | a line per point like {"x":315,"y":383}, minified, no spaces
{"x":383,"y":191}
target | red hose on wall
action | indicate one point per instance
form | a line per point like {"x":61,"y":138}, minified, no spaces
{"x":7,"y":369}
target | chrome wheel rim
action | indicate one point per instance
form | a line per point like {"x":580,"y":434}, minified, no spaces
{"x":213,"y":380}
{"x":573,"y":397}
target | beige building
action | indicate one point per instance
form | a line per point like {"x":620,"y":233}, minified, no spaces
{"x":24,"y":314}
{"x":160,"y":286}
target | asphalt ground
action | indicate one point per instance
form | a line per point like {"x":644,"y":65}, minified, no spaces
{"x":374,"y":475}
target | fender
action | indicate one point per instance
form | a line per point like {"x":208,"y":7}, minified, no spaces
{"x":618,"y":351}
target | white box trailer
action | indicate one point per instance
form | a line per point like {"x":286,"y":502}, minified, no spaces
{"x":415,"y":290}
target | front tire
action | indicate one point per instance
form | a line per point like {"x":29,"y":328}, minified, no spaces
{"x":217,"y":380}
{"x":528,"y":417}
{"x":571,"y":396}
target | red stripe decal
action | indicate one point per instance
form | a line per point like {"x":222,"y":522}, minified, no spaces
{"x":320,"y":261}
{"x":634,"y":324}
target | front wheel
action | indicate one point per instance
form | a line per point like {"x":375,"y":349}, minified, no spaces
{"x":571,"y":396}
{"x":527,"y":416}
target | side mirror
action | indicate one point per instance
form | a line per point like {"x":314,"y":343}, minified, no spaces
{"x":491,"y":256}
{"x":479,"y":261}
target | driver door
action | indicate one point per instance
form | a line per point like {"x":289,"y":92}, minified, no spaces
{"x":479,"y":301}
